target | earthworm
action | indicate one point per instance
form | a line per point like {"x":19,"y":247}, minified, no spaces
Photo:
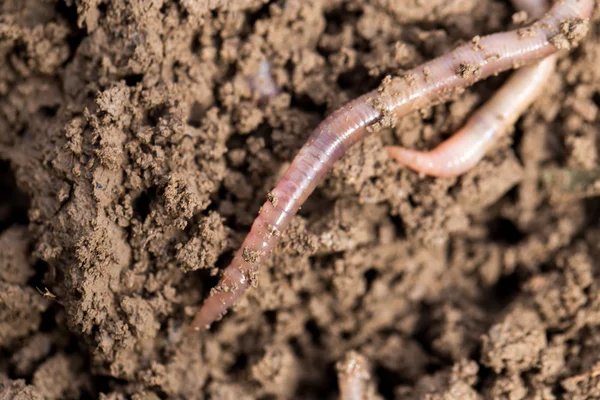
{"x":432,"y":82}
{"x":467,"y":147}
{"x":354,"y":378}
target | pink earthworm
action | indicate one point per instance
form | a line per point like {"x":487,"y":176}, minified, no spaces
{"x":469,"y":145}
{"x":432,"y":82}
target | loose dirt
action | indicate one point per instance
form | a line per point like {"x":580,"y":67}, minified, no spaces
{"x":134,"y":156}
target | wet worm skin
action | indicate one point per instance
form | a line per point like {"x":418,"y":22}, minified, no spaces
{"x":467,"y":146}
{"x":430,"y":83}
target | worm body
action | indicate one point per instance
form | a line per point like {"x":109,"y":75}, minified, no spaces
{"x":432,"y":82}
{"x":354,"y":378}
{"x":468,"y":145}
{"x":534,"y":8}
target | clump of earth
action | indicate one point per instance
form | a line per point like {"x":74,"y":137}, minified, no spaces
{"x":134,"y":157}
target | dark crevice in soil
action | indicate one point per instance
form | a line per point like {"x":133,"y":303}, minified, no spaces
{"x":504,"y":231}
{"x":142,"y":204}
{"x":322,"y":389}
{"x":338,"y":18}
{"x":386,"y":380}
{"x":484,"y":377}
{"x":305,"y":103}
{"x":504,"y":292}
{"x":196,"y":115}
{"x":370,"y":275}
{"x":13,"y":202}
{"x":314,"y":331}
{"x":207,"y":278}
{"x":423,"y":337}
{"x":517,"y":139}
{"x":596,"y":99}
{"x":317,"y":206}
{"x":358,"y":76}
{"x":592,"y":211}
{"x":253,"y":16}
{"x":400,"y":227}
{"x":240,"y":364}
{"x":76,"y":36}
{"x":133,"y":79}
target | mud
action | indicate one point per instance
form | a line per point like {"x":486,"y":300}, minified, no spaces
{"x":135,"y":155}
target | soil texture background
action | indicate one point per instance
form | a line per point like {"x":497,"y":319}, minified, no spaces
{"x":134,"y":155}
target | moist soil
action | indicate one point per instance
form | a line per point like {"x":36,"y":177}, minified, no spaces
{"x":135,"y":153}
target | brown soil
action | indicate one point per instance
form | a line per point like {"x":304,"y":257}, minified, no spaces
{"x":134,"y":157}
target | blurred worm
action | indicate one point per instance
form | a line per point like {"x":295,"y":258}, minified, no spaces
{"x":467,"y":147}
{"x":354,"y":378}
{"x":432,"y":82}
{"x":262,"y":82}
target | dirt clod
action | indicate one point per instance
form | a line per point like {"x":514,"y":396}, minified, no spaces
{"x":134,"y":157}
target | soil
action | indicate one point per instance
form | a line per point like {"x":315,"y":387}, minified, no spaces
{"x":134,"y":156}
